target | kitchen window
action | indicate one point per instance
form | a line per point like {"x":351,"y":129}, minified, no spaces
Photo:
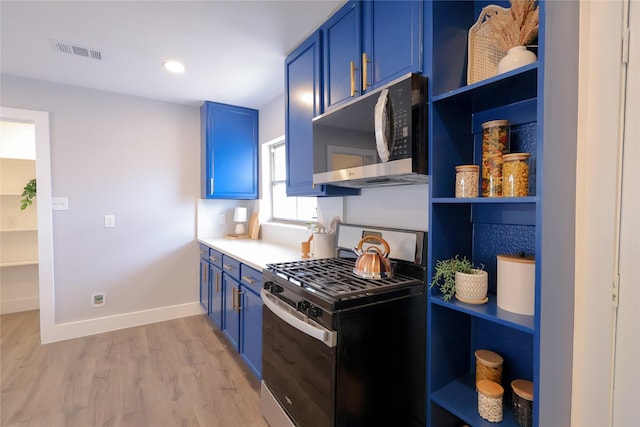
{"x":282,"y":207}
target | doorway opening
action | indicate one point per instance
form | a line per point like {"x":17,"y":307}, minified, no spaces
{"x":43,"y":224}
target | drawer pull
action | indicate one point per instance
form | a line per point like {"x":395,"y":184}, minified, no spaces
{"x":227,"y":267}
{"x":213,"y":258}
{"x":249,"y":280}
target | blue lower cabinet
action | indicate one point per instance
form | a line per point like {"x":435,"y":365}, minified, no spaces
{"x":216,"y":293}
{"x":205,"y":288}
{"x":204,"y":285}
{"x":230,"y":292}
{"x":230,"y":314}
{"x":251,"y":330}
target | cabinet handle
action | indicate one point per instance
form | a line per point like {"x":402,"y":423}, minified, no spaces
{"x":365,"y":82}
{"x":218,"y":283}
{"x":353,"y":69}
{"x":233,"y":298}
{"x":213,"y":258}
{"x":239,"y":306}
{"x":202,"y":252}
{"x":205,"y":270}
{"x":227,"y":267}
{"x":249,"y":280}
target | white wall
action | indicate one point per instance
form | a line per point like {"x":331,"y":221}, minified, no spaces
{"x":138,"y":160}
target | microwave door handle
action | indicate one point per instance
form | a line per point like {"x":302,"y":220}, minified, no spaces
{"x":381,"y":124}
{"x":298,"y":321}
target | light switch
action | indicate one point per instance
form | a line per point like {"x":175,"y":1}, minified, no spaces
{"x":60,"y":203}
{"x":109,"y":221}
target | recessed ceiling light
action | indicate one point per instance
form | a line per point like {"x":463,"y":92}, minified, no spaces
{"x":173,"y":66}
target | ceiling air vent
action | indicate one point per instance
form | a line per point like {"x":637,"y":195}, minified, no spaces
{"x":73,"y":49}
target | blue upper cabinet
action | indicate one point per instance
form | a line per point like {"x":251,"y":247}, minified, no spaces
{"x":229,"y":156}
{"x":369,"y":43}
{"x":392,"y":41}
{"x":302,"y":103}
{"x":341,"y":36}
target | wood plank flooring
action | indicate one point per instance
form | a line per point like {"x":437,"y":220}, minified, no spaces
{"x":180,"y":372}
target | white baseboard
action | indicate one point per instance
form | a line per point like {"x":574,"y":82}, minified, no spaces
{"x":65,"y":331}
{"x":22,"y":304}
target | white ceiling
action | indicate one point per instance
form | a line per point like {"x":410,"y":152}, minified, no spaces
{"x":233,"y":50}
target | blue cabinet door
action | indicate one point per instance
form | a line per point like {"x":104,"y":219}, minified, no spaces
{"x":342,"y":50}
{"x":392,"y":40}
{"x":204,"y":286}
{"x":251,"y":327}
{"x":229,"y":154}
{"x":231,"y":318}
{"x":302,"y":103}
{"x":216,"y":295}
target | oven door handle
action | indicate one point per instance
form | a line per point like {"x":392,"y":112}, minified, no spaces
{"x":298,"y":320}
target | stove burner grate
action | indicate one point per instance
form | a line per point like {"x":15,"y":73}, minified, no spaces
{"x":334,"y":277}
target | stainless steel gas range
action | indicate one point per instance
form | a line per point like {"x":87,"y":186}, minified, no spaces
{"x":340,"y":350}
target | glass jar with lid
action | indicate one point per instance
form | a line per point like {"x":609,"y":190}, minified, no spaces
{"x":496,"y":135}
{"x":515,"y":175}
{"x":467,"y":180}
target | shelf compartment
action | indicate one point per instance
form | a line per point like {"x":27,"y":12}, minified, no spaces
{"x":507,"y":88}
{"x":452,"y":349}
{"x":498,"y":210}
{"x":19,"y":263}
{"x":460,"y":398}
{"x":485,"y":200}
{"x":489,"y":311}
{"x":457,"y":140}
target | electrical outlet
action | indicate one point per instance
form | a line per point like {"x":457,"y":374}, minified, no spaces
{"x":109,"y":221}
{"x":98,"y":299}
{"x":222,"y":219}
{"x":60,"y":203}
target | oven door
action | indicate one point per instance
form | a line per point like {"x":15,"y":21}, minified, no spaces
{"x":298,"y":364}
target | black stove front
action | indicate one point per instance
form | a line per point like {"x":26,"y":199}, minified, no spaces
{"x":340,"y":350}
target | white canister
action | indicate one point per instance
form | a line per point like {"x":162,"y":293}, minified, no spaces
{"x":516,"y":283}
{"x":322,"y":245}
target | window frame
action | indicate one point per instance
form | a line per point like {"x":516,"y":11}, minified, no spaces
{"x":272,"y":146}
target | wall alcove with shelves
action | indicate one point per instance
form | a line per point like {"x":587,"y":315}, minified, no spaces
{"x":18,"y":228}
{"x":540,"y":102}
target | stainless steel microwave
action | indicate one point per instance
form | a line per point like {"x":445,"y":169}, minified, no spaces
{"x":375,"y":140}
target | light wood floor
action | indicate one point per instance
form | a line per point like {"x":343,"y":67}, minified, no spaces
{"x":176,"y":373}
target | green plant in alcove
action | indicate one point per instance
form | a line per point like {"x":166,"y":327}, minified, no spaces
{"x":445,"y":274}
{"x":28,"y":194}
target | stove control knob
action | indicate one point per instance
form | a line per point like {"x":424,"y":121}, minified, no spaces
{"x":303,"y":306}
{"x":273,"y":287}
{"x":314,"y":311}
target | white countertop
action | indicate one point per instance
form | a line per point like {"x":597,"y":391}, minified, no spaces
{"x":255,"y":253}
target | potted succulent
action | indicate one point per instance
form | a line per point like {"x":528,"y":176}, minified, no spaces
{"x":461,"y":278}
{"x":28,"y":194}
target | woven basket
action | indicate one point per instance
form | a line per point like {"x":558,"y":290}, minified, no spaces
{"x":483,"y":56}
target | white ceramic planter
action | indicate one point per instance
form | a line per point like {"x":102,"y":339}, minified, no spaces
{"x":472,"y":288}
{"x":516,"y":57}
